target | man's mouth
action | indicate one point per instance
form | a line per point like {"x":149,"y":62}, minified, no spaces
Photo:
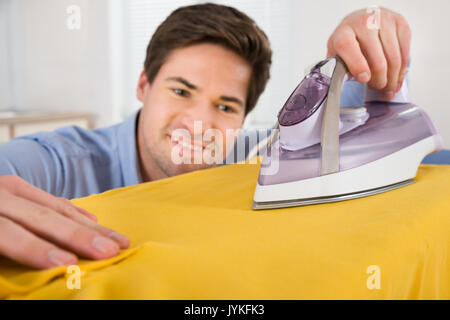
{"x":185,"y":144}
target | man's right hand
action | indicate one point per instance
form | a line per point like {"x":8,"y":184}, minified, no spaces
{"x":43,"y":231}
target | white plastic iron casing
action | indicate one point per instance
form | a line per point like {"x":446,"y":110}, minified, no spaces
{"x":398,"y":166}
{"x":381,"y":153}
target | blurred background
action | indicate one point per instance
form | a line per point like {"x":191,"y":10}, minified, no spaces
{"x":78,"y":61}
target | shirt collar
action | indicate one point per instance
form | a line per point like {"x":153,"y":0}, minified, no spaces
{"x":128,"y":157}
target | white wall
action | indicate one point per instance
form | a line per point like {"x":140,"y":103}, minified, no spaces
{"x":4,"y":59}
{"x":54,"y":68}
{"x":43,"y":65}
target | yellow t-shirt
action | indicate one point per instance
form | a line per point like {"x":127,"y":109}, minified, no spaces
{"x":195,"y":236}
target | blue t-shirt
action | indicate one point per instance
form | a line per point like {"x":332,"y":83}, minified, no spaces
{"x":72,"y":162}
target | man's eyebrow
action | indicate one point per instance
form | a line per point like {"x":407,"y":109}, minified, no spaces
{"x":232,"y":99}
{"x":193,"y":87}
{"x":183,"y":81}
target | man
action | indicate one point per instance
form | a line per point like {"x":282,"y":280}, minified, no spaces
{"x":207,"y":63}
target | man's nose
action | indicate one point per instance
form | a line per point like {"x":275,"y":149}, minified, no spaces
{"x":200,"y":115}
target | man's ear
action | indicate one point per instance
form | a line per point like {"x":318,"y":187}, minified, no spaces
{"x":142,"y":86}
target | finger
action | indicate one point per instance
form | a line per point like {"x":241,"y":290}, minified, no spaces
{"x":20,"y":245}
{"x":18,"y":186}
{"x":391,"y":48}
{"x":58,"y":229}
{"x":404,"y":39}
{"x":22,"y":189}
{"x":67,"y":210}
{"x":86,"y":213}
{"x":344,"y":44}
{"x":373,"y":51}
{"x":64,"y":205}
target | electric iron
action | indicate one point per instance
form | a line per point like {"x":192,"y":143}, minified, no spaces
{"x":320,"y":152}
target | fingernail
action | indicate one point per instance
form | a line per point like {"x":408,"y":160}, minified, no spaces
{"x":60,"y":258}
{"x":104,"y":245}
{"x":123,"y":240}
{"x":363,"y":77}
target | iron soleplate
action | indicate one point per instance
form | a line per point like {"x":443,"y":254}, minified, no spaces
{"x":335,"y":198}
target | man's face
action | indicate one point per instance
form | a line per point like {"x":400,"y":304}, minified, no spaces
{"x":203,"y":83}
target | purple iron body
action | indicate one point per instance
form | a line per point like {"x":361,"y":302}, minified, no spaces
{"x":325,"y":153}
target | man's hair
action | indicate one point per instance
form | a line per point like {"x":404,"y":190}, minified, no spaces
{"x":213,"y":23}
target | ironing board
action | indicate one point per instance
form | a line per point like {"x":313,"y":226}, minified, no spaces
{"x":195,"y":236}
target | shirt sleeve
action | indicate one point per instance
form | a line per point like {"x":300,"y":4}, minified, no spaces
{"x":353,"y":93}
{"x":32,"y":161}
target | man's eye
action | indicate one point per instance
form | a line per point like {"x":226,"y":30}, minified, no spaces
{"x":180,"y":92}
{"x":225,"y":108}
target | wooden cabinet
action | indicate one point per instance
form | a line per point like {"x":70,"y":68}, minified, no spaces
{"x":17,"y":123}
{"x":4,"y":133}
